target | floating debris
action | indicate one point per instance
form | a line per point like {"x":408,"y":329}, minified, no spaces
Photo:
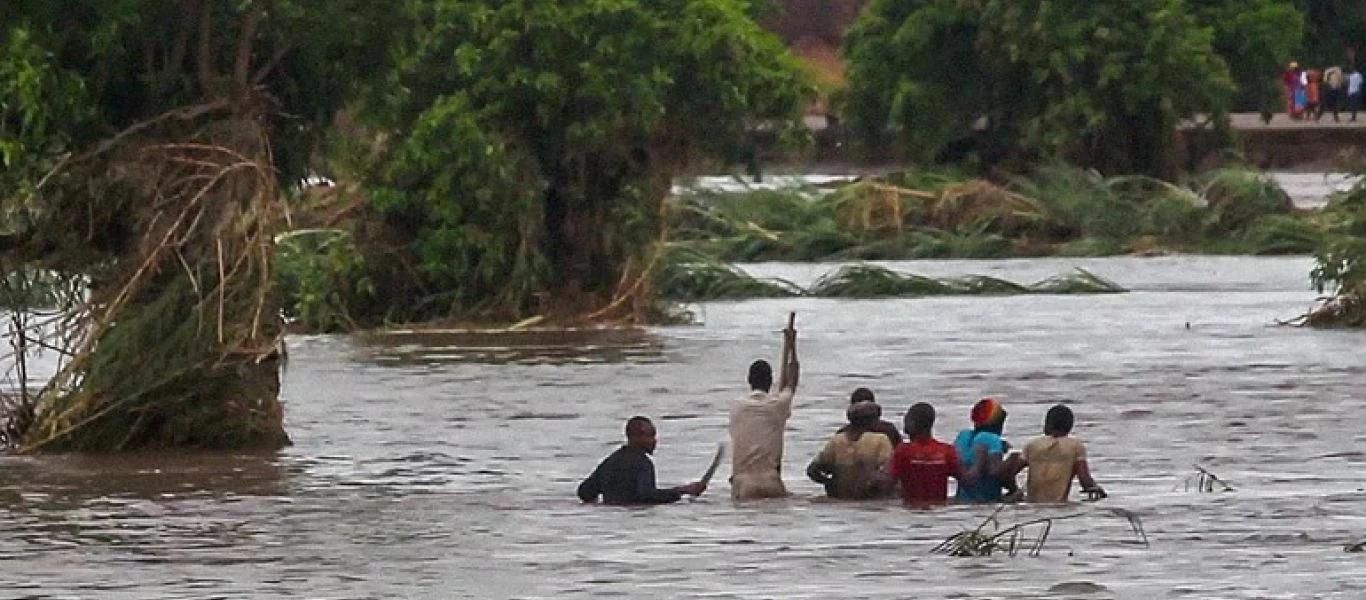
{"x":1205,"y":481}
{"x":1016,"y":538}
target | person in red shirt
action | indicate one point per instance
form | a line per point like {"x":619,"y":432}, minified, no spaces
{"x":923,"y":465}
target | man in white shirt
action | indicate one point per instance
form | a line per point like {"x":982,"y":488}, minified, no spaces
{"x":1354,"y":91}
{"x":757,"y":422}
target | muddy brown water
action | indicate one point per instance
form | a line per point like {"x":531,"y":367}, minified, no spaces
{"x":444,"y":466}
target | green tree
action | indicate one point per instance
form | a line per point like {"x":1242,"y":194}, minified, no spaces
{"x":535,"y":140}
{"x":1100,"y":83}
{"x":1334,"y":32}
{"x":141,"y":141}
{"x":1255,"y":38}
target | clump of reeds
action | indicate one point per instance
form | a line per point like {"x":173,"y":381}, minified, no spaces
{"x":871,"y":281}
{"x":931,"y":214}
{"x":1236,"y":198}
{"x":873,"y":207}
{"x":1080,"y":281}
{"x":1283,"y":234}
{"x":690,"y":277}
{"x":760,"y":224}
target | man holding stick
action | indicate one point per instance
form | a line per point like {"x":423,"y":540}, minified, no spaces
{"x":628,"y":475}
{"x":757,"y":422}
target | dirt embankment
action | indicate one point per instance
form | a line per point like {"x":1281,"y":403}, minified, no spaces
{"x":814,"y":29}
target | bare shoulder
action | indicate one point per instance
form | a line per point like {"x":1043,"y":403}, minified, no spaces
{"x":1073,"y":447}
{"x":1037,"y":443}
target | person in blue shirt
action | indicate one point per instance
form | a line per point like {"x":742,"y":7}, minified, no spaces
{"x":982,"y":452}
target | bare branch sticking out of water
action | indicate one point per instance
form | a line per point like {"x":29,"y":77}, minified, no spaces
{"x":1015,"y":538}
{"x":1205,"y":481}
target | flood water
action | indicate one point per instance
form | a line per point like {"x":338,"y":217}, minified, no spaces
{"x":444,"y":466}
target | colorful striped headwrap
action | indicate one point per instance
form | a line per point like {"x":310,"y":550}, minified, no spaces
{"x":987,"y":411}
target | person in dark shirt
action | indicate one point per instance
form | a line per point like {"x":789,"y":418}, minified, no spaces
{"x":627,"y":476}
{"x":883,"y":427}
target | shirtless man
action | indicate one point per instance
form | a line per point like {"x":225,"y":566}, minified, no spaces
{"x":757,"y":422}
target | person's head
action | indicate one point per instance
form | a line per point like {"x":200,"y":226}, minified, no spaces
{"x":988,"y":415}
{"x":1058,"y":421}
{"x":919,"y":420}
{"x":863,"y":416}
{"x":640,"y":433}
{"x":760,"y":376}
{"x":862,"y":395}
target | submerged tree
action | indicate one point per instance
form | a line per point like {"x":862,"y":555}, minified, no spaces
{"x":1100,"y":83}
{"x":1341,"y":264}
{"x":530,"y":144}
{"x":142,"y":142}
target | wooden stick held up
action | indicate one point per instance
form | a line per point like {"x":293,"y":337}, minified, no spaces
{"x":788,"y":378}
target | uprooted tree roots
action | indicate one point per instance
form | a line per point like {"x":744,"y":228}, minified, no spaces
{"x":178,"y":340}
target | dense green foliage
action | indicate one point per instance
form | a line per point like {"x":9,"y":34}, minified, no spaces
{"x":1098,"y":83}
{"x":74,"y":73}
{"x":534,"y":140}
{"x":1334,"y":32}
{"x":1255,"y":38}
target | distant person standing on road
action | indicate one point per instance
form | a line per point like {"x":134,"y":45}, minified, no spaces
{"x":1289,"y":79}
{"x":1354,"y":92}
{"x":1333,"y":88}
{"x":1311,"y":94}
{"x":1301,"y":81}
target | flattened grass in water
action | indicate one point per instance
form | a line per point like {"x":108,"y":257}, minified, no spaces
{"x":692,"y":279}
{"x":870,"y":281}
{"x":1054,"y":210}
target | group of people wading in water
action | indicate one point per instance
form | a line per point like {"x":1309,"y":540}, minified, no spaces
{"x":865,"y":459}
